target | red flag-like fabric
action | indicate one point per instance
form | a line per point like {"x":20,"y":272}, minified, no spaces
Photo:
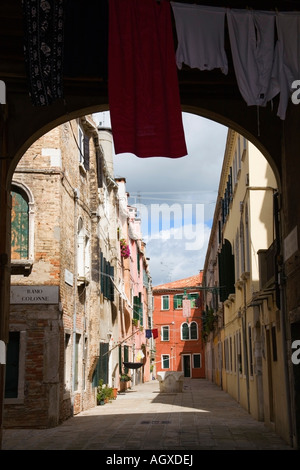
{"x":143,"y":89}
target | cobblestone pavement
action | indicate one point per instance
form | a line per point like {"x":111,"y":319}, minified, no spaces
{"x":202,"y":417}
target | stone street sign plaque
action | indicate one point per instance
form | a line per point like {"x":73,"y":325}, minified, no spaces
{"x":34,"y":295}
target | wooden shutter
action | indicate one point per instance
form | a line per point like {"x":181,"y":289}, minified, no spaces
{"x":86,"y":152}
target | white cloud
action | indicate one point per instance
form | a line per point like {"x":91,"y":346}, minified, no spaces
{"x":192,"y":180}
{"x":172,"y":259}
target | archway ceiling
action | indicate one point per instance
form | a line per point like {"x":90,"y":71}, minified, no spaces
{"x":209,"y":93}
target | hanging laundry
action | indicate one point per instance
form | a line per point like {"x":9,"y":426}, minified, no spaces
{"x":140,"y":355}
{"x":287,"y":65}
{"x":200,"y":35}
{"x":252,"y":40}
{"x":155,"y":333}
{"x":186,"y":308}
{"x":148,"y":334}
{"x":43,"y":49}
{"x":143,"y":88}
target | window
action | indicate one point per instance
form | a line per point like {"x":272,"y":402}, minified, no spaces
{"x":19,"y":226}
{"x":12,"y":366}
{"x":165,"y":302}
{"x":189,"y":331}
{"x":84,"y":149}
{"x":197,"y":361}
{"x":107,"y":274}
{"x":239,"y":352}
{"x":165,"y":361}
{"x":165,"y":333}
{"x":22,"y":228}
{"x":250,"y":350}
{"x":184,"y":331}
{"x":237,"y":256}
{"x":68,"y":361}
{"x":177,"y":299}
{"x":76,"y":363}
{"x":83,"y":246}
{"x":193,"y":298}
{"x":193,"y":330}
{"x":138,"y":308}
{"x":226,"y":354}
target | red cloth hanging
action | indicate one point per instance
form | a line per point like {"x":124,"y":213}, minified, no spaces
{"x":155,"y":333}
{"x":143,"y":86}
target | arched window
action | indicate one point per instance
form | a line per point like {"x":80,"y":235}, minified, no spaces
{"x":189,"y":331}
{"x":193,"y":330}
{"x":19,"y":225}
{"x":184,"y":331}
{"x":22,"y":228}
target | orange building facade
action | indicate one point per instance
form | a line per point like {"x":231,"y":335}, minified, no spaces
{"x":177,"y":317}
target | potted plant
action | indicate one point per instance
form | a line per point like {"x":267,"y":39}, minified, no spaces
{"x":100,"y":393}
{"x":108,"y":391}
{"x":125,"y":250}
{"x":125,"y":378}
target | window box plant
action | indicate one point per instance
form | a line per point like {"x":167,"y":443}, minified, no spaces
{"x":125,"y":251}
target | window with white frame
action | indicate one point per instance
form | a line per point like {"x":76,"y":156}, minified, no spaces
{"x":197,"y":362}
{"x":165,"y":333}
{"x":189,"y":331}
{"x":165,"y":361}
{"x":165,"y":302}
{"x":83,"y":149}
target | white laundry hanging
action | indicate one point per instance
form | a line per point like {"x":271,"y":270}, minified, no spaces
{"x":252,"y":41}
{"x":200,"y":34}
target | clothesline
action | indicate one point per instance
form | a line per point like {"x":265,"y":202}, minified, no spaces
{"x":137,"y":50}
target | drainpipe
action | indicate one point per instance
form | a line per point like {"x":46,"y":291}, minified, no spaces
{"x":76,"y":196}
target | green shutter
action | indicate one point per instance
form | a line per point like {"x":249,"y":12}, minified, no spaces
{"x":101,"y":370}
{"x":19,"y":227}
{"x":177,"y":301}
{"x":165,"y":304}
{"x":120,"y":359}
{"x":126,"y":357}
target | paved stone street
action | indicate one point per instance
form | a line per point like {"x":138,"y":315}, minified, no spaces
{"x":203,"y":417}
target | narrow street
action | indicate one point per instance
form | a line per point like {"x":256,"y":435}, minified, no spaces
{"x":202,"y":417}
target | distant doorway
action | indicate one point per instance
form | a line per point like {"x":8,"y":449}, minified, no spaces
{"x":186,"y":365}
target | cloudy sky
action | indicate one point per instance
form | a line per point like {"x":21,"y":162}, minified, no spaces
{"x":176,"y":198}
